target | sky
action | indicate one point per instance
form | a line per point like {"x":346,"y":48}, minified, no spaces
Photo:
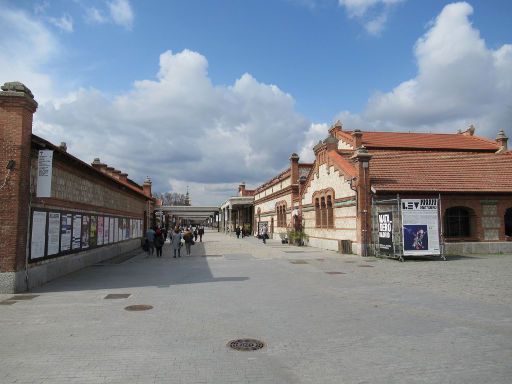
{"x":206,"y":94}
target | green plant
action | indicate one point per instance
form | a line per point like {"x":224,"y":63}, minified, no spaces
{"x":298,"y":237}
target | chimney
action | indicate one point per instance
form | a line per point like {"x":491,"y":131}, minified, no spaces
{"x":109,"y":171}
{"x":357,"y":138}
{"x":97,"y":164}
{"x":116,"y":174}
{"x":63,"y":146}
{"x":146,"y":187}
{"x":470,"y":131}
{"x":241,"y":189}
{"x":336,"y":127}
{"x":502,"y":141}
{"x":123,"y":177}
{"x":294,"y":168}
{"x":302,"y":184}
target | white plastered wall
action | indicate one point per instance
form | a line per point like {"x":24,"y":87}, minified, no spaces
{"x":268,"y":208}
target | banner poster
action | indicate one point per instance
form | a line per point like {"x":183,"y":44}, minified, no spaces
{"x":77,"y":231}
{"x":420,"y":226}
{"x":53,"y":233}
{"x":99,"y":240}
{"x":106,"y":228}
{"x":116,"y":229}
{"x":386,"y":233}
{"x":120,"y":229}
{"x":85,"y":232}
{"x":127,"y":229}
{"x":44,"y":173}
{"x":132,"y":228}
{"x":65,"y":232}
{"x":261,"y":225}
{"x":93,"y":231}
{"x":111,"y":230}
{"x":38,"y":235}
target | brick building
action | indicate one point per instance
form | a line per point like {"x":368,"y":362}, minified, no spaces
{"x":358,"y":175}
{"x":57,"y":213}
{"x":237,"y":211}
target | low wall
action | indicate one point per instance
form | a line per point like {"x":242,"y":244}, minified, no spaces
{"x":47,"y":270}
{"x":469,"y":248}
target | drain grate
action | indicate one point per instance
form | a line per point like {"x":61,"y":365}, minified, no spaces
{"x":117,"y":296}
{"x":246,"y":344}
{"x":336,"y":273}
{"x":298,"y":261}
{"x":23,"y":297}
{"x":138,"y":307}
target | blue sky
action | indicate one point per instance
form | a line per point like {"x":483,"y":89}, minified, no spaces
{"x":209,"y":93}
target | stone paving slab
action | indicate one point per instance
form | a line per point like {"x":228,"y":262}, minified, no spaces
{"x":422,"y":321}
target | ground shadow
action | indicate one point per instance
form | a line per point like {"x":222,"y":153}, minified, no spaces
{"x":142,"y":270}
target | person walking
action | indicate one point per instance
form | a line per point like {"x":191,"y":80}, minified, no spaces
{"x":201,"y":233}
{"x":195,"y":233}
{"x":176,"y":241}
{"x":159,"y":242}
{"x":264,"y":234}
{"x":189,"y":240}
{"x":237,"y":230}
{"x":150,"y":236}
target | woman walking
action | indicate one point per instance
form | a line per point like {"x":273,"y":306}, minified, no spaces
{"x":159,"y":242}
{"x":189,"y":240}
{"x":176,"y":241}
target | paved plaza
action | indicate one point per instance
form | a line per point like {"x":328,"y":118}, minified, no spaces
{"x":324,"y":318}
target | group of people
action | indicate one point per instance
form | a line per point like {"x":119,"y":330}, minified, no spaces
{"x":156,"y":237}
{"x":241,"y":231}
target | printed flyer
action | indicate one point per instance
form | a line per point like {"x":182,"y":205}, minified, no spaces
{"x":420,"y":226}
{"x":53,"y":233}
{"x":38,"y":235}
{"x":65,"y":232}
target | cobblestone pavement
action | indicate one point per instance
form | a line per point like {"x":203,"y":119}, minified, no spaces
{"x":376,"y":321}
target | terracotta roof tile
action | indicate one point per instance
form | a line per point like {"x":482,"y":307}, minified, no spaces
{"x":438,"y":141}
{"x":441,"y":172}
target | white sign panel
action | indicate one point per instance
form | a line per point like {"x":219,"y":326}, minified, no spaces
{"x":420,"y":227}
{"x":44,"y":173}
{"x":53,"y":233}
{"x":38,"y":235}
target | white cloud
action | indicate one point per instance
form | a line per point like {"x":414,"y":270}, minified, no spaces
{"x":316,"y":132}
{"x":26,"y":47}
{"x":372,"y":13}
{"x":121,"y":13}
{"x":459,"y":81}
{"x":181,"y":129}
{"x":95,"y":16}
{"x":65,"y":22}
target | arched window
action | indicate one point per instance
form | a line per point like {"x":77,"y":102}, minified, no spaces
{"x":330,"y":213}
{"x":508,"y":222}
{"x":281,"y":214}
{"x":457,"y":222}
{"x":323,"y":211}
{"x":317,"y":212}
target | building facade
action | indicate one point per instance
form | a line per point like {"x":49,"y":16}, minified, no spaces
{"x":58,"y":214}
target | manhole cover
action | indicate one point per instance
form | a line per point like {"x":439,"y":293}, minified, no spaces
{"x":117,"y":296}
{"x":298,"y":261}
{"x":365,"y":265}
{"x":246,"y":344}
{"x":336,"y":273}
{"x":23,"y":297}
{"x":138,"y":307}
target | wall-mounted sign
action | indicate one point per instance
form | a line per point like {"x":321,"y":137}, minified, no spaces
{"x":420,"y":226}
{"x":44,"y":173}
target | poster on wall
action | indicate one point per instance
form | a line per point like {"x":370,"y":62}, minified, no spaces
{"x":44,"y":173}
{"x":85,"y":232}
{"x":38,"y":235}
{"x":261,"y":225}
{"x":77,"y":231}
{"x":420,"y":227}
{"x":111,"y":230}
{"x":116,"y":229}
{"x":121,"y":229}
{"x":65,"y":232}
{"x":53,"y":233}
{"x":127,"y":229}
{"x":386,"y":233}
{"x":99,"y":240}
{"x":93,"y":231}
{"x":106,"y":228}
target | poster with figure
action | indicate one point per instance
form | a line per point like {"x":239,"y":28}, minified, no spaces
{"x":65,"y":232}
{"x":106,"y":230}
{"x":93,"y":231}
{"x":420,"y":227}
{"x":77,"y":231}
{"x":386,"y":233}
{"x":99,"y":239}
{"x":38,"y":237}
{"x":53,"y":233}
{"x":85,"y":232}
{"x":261,"y":225}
